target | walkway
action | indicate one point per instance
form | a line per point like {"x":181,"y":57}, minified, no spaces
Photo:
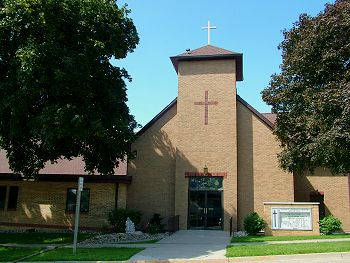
{"x":189,"y":245}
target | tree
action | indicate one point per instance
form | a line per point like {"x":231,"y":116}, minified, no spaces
{"x":311,"y":95}
{"x":60,"y":95}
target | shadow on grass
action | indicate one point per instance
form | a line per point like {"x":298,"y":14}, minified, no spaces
{"x":100,"y":254}
{"x":40,"y":238}
{"x":14,"y":253}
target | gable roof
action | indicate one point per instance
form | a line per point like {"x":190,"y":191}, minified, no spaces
{"x":62,"y":167}
{"x":272,"y":117}
{"x":256,"y":113}
{"x":261,"y":116}
{"x":210,"y":52}
{"x":157,"y":117}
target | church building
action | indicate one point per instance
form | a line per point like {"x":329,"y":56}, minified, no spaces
{"x":209,"y":158}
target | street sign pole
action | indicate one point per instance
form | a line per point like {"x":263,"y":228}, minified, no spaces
{"x":77,"y":214}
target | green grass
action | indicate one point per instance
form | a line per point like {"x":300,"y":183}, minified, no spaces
{"x":10,"y":253}
{"x":40,"y":238}
{"x":284,"y":238}
{"x":102,"y":254}
{"x":286,"y":249}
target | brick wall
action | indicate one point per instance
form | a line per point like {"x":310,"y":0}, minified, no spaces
{"x":214,"y":144}
{"x":259,"y":177}
{"x":335,"y":189}
{"x":153,"y":170}
{"x":44,"y":203}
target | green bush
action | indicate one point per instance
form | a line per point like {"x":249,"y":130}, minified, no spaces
{"x":253,"y":223}
{"x":118,"y":216}
{"x":330,"y":224}
{"x":155,"y":224}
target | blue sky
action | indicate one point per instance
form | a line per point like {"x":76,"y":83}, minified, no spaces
{"x":168,"y":28}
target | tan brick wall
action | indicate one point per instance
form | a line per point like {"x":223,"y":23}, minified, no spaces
{"x":45,"y":203}
{"x":259,"y":177}
{"x":153,"y":170}
{"x":214,"y":144}
{"x":335,"y":189}
{"x":271,"y":232}
{"x":122,"y":195}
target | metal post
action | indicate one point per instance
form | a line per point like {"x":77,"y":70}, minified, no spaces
{"x":77,"y":214}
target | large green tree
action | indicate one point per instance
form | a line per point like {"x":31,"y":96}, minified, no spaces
{"x":60,"y":97}
{"x":311,"y":95}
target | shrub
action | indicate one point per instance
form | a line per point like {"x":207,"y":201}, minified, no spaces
{"x":118,"y":216}
{"x":253,"y":223}
{"x":155,"y":224}
{"x":330,"y":224}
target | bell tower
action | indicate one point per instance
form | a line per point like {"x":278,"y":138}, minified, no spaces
{"x":206,"y":158}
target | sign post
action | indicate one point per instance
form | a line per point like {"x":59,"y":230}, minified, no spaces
{"x":77,"y":213}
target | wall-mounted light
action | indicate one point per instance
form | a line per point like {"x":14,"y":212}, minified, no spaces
{"x":205,"y":170}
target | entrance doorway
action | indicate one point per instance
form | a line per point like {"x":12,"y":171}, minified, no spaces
{"x":205,"y":203}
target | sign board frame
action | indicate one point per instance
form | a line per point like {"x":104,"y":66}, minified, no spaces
{"x":277,"y":213}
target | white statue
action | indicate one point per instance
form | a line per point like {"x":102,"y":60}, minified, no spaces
{"x":129,"y":226}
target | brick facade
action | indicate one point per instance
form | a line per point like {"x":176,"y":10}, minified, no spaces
{"x":200,"y":144}
{"x":259,"y":177}
{"x":43,"y":204}
{"x":335,"y":189}
{"x":152,"y":189}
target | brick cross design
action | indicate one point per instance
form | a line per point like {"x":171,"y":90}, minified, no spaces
{"x":206,"y":104}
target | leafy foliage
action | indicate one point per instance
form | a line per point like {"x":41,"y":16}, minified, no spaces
{"x":329,"y":225}
{"x":60,"y":95}
{"x":155,"y":224}
{"x":118,"y":216}
{"x":253,"y":223}
{"x":311,"y":95}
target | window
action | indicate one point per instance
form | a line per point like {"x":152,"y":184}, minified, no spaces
{"x":13,"y":196}
{"x":72,"y":199}
{"x":2,"y":196}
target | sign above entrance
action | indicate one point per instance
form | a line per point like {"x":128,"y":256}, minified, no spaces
{"x":205,"y":183}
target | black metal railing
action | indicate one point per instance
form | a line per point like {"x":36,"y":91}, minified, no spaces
{"x":231,"y":227}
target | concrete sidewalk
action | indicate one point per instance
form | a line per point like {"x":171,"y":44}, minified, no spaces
{"x":188,"y":245}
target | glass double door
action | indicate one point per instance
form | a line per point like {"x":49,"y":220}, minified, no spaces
{"x":205,"y":210}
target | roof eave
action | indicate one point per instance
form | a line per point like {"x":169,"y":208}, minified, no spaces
{"x":238,"y":57}
{"x":256,"y":113}
{"x":157,"y":117}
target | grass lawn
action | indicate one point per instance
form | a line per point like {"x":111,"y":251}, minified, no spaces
{"x":40,"y":238}
{"x":284,"y":238}
{"x":10,"y":253}
{"x":102,"y":254}
{"x":286,"y":249}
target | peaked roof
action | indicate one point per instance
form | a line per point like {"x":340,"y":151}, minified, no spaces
{"x":270,"y":116}
{"x":210,"y":52}
{"x":265,"y":119}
